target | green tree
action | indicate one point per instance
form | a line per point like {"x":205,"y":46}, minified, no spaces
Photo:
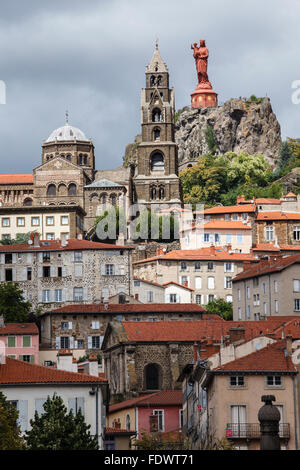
{"x":10,"y":438}
{"x":56,"y":429}
{"x":12,"y":304}
{"x":20,"y":238}
{"x":211,"y":140}
{"x":221,"y":308}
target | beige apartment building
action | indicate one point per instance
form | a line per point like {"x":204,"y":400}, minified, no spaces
{"x":51,"y":222}
{"x":209,"y":271}
{"x":270,"y":288}
{"x":53,"y":273}
{"x":222,"y":395}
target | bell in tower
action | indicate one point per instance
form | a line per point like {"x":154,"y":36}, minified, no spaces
{"x":156,"y":180}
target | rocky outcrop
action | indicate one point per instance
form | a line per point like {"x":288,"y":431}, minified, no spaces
{"x":238,"y":126}
{"x":291,"y":181}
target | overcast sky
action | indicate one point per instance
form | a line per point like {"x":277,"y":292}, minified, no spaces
{"x":90,"y":57}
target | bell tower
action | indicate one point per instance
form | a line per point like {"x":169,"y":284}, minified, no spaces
{"x":156,"y":178}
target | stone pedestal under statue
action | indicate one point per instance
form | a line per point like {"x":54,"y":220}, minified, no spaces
{"x":204,"y":96}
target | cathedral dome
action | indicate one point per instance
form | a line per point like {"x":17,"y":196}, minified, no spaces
{"x":67,"y":132}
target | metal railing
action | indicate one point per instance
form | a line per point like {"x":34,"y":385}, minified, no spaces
{"x":252,"y":431}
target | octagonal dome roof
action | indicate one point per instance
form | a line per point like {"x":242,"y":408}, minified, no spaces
{"x":67,"y":132}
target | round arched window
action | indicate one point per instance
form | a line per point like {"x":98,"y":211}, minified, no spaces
{"x":51,"y":191}
{"x":157,"y":162}
{"x":72,"y":190}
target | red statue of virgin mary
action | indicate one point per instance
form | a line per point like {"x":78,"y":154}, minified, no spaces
{"x":203,"y":96}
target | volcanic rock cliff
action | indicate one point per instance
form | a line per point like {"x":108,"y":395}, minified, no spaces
{"x":238,"y":126}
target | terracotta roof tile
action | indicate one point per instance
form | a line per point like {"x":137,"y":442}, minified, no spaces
{"x":163,"y":398}
{"x":275,"y":264}
{"x":55,"y":245}
{"x":15,"y":371}
{"x":231,"y":209}
{"x":118,"y":431}
{"x":127,"y":308}
{"x":278,"y":216}
{"x":194,"y":331}
{"x":209,"y":254}
{"x":270,"y":358}
{"x":19,"y":329}
{"x":224,"y":225}
{"x":15,"y":178}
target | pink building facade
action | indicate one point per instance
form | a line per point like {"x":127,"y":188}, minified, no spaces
{"x":20,"y":341}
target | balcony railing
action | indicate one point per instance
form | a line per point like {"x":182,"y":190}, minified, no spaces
{"x":252,"y":431}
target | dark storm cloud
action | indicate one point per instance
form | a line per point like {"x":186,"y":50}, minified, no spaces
{"x":90,"y":57}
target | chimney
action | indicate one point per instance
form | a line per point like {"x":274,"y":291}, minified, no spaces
{"x":246,"y":265}
{"x":65,"y":361}
{"x":2,"y":323}
{"x":121,"y":239}
{"x":289,"y":344}
{"x":237,"y":334}
{"x":79,"y":236}
{"x":64,"y":241}
{"x":153,"y":421}
{"x":240,"y":199}
{"x":36,"y":240}
{"x":117,"y":424}
{"x":91,"y":367}
{"x":212,"y":250}
{"x":105,"y":302}
{"x":159,"y":251}
{"x":136,"y":296}
{"x":196,"y":349}
{"x":229,"y":247}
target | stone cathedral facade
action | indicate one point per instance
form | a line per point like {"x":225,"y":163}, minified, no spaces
{"x":67,"y":175}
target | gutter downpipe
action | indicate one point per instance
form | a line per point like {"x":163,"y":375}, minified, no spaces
{"x":295,"y":411}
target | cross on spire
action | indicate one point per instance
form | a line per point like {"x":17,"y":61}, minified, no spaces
{"x":67,"y":117}
{"x":156,"y":43}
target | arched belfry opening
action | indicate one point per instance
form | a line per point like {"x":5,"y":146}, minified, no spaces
{"x":156,"y":115}
{"x":157,"y":162}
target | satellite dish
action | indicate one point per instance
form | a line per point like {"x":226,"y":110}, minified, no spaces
{"x":30,"y":242}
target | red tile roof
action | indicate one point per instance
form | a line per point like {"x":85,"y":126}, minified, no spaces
{"x":16,"y":178}
{"x":15,"y":371}
{"x":270,"y":358}
{"x":271,"y":247}
{"x":231,"y":209}
{"x":55,"y":245}
{"x":117,"y":431}
{"x":128,"y":308}
{"x":266,"y":247}
{"x":210,"y":253}
{"x":195,"y":331}
{"x":274,"y":264}
{"x":263,"y":200}
{"x":224,"y":225}
{"x":163,"y":398}
{"x":19,"y":329}
{"x":278,"y":216}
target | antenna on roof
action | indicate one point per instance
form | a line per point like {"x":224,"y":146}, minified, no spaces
{"x":67,"y":117}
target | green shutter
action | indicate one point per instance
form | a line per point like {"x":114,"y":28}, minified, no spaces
{"x":26,"y":341}
{"x":11,"y":342}
{"x":31,"y":358}
{"x":21,"y":358}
